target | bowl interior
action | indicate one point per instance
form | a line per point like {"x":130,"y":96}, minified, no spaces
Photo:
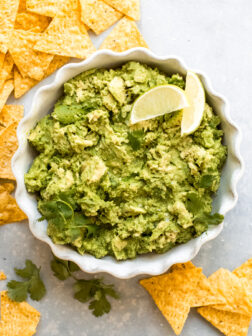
{"x":43,"y":103}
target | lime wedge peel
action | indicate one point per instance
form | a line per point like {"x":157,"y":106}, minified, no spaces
{"x":193,"y":114}
{"x":158,"y":101}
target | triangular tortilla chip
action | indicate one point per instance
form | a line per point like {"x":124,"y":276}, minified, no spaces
{"x":51,"y":7}
{"x":245,"y":270}
{"x":182,"y":266}
{"x":9,"y":210}
{"x":230,"y":324}
{"x":32,"y":22}
{"x":29,"y":62}
{"x":124,"y":36}
{"x":9,"y":114}
{"x":97,"y":15}
{"x":17,"y":318}
{"x":5,"y":92}
{"x":234,"y":291}
{"x":131,"y":8}
{"x":2,"y":276}
{"x":2,"y":56}
{"x":8,"y":12}
{"x":24,"y":84}
{"x":8,"y":146}
{"x":6,"y":69}
{"x":66,"y":36}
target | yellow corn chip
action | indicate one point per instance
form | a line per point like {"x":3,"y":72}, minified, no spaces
{"x":173,"y":293}
{"x":5,"y":91}
{"x":182,"y":266}
{"x":2,"y":276}
{"x":24,"y":84}
{"x":245,"y":270}
{"x":32,"y":22}
{"x":233,"y":290}
{"x":8,"y":146}
{"x":130,"y":8}
{"x":8,"y":12}
{"x":230,"y":324}
{"x":9,"y":114}
{"x":29,"y":62}
{"x":124,"y":36}
{"x":97,"y":15}
{"x":17,"y":318}
{"x":51,"y":7}
{"x":2,"y":56}
{"x":9,"y":210}
{"x":6,"y":69}
{"x":66,"y":36}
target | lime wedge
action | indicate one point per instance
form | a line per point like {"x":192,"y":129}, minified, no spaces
{"x":158,"y":101}
{"x":192,"y":115}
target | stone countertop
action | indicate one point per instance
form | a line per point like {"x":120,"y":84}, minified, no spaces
{"x":214,"y":36}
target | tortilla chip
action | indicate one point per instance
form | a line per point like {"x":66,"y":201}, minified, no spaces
{"x":230,"y":324}
{"x":124,"y":36}
{"x":173,"y":293}
{"x":24,"y":84}
{"x":9,"y":210}
{"x":17,"y":318}
{"x":8,"y":12}
{"x":9,"y":114}
{"x":97,"y":15}
{"x":2,"y":56}
{"x":66,"y":36}
{"x":233,"y":290}
{"x":29,"y":62}
{"x":8,"y":146}
{"x":6,"y":69}
{"x":2,"y":276}
{"x":245,"y":270}
{"x":51,"y":7}
{"x":131,"y":8}
{"x":182,"y":266}
{"x":5,"y":92}
{"x":32,"y":22}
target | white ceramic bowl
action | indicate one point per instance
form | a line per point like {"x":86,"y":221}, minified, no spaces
{"x":151,"y":264}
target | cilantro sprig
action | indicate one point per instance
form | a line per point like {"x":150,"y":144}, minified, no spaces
{"x":94,"y":291}
{"x":32,"y":284}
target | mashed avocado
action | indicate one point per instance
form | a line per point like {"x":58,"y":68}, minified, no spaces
{"x":106,"y":188}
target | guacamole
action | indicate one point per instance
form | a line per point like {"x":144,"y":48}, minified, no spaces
{"x":108,"y":188}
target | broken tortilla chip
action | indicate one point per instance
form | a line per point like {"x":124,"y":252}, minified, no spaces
{"x":230,"y":324}
{"x":29,"y":62}
{"x":173,"y":294}
{"x":97,"y":15}
{"x":2,"y":276}
{"x":8,"y":146}
{"x":24,"y":84}
{"x":32,"y":22}
{"x":9,"y":114}
{"x":51,"y":7}
{"x":5,"y":92}
{"x":9,"y":210}
{"x":233,"y":290}
{"x":6,"y":69}
{"x":131,"y":8}
{"x":66,"y":36}
{"x":8,"y":12}
{"x":124,"y":36}
{"x":17,"y":318}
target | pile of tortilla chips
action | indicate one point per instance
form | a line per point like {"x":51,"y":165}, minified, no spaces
{"x":224,"y":299}
{"x":39,"y":36}
{"x":17,"y":318}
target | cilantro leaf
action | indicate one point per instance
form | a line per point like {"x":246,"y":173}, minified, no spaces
{"x":206,"y":181}
{"x":17,"y":290}
{"x":73,"y":267}
{"x":27,"y":272}
{"x":83,"y":290}
{"x":135,"y":139}
{"x":194,"y":203}
{"x":210,"y":219}
{"x":100,"y":305}
{"x":60,"y":269}
{"x":36,"y":287}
